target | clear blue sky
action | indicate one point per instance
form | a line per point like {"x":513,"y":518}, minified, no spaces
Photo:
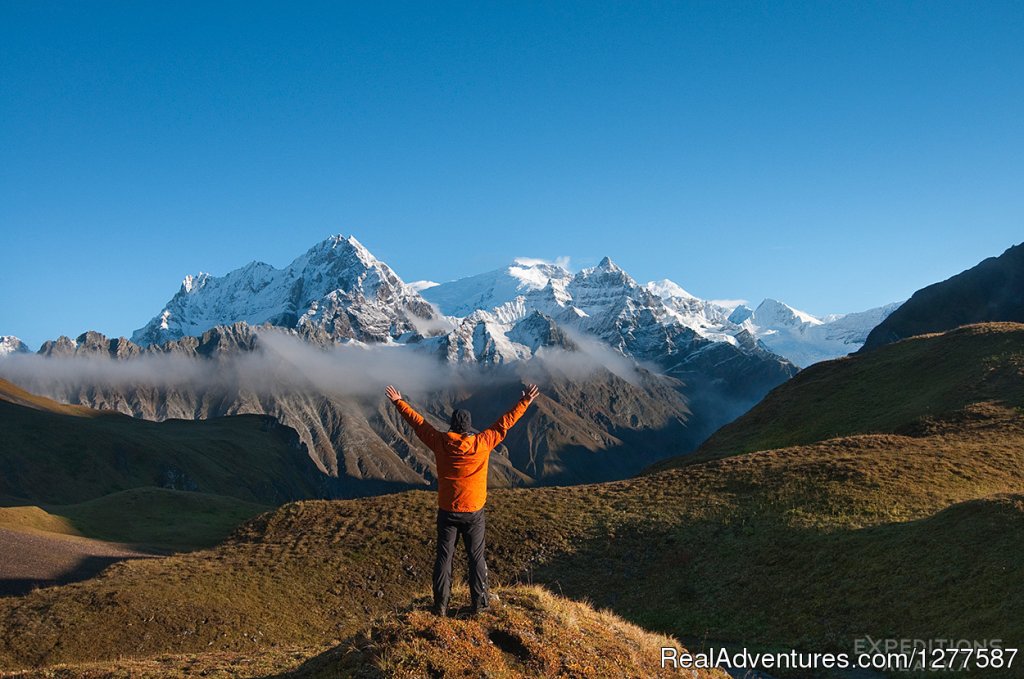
{"x":835,"y":155}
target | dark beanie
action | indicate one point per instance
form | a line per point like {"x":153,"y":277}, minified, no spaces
{"x":462,"y":422}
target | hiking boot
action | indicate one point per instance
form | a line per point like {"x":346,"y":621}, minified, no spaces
{"x":479,"y":607}
{"x":440,"y":610}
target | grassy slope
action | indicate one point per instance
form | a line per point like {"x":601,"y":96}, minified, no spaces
{"x":36,"y":519}
{"x":55,"y":454}
{"x":810,"y":546}
{"x":12,"y":393}
{"x":880,"y":392}
{"x":529,"y":633}
{"x":148,"y":517}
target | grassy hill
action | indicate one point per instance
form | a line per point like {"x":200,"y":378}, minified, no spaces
{"x":912,"y":533}
{"x":529,"y":633}
{"x":810,"y":546}
{"x":56,"y":454}
{"x":12,"y":393}
{"x":146,"y":517}
{"x":897,"y":388}
{"x":993,"y":290}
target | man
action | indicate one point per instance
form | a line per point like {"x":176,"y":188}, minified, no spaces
{"x":461,"y":455}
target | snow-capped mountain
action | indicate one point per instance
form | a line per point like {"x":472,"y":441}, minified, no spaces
{"x":484,"y":338}
{"x":643,"y":321}
{"x":524,"y":277}
{"x":634,"y":378}
{"x":339,"y":291}
{"x":805,"y":339}
{"x":336,"y":287}
{"x":603,"y":301}
{"x":9,"y":344}
{"x":704,"y":317}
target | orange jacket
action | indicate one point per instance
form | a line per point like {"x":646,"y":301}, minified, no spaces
{"x":461,"y":458}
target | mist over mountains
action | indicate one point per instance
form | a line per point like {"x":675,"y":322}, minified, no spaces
{"x":631,"y":373}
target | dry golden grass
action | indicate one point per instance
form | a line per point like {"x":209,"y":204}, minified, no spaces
{"x":158,"y":519}
{"x":529,"y":633}
{"x":214,"y":665}
{"x":35,"y":519}
{"x":15,"y":394}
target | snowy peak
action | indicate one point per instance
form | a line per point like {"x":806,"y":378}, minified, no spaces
{"x":740,"y":314}
{"x":192,"y":283}
{"x":772,"y":313}
{"x":339,"y":253}
{"x":607,"y":270}
{"x":805,"y":339}
{"x":535,"y":274}
{"x":492,"y":289}
{"x":667,"y":289}
{"x":9,"y":344}
{"x":338,"y":291}
{"x":337,"y":285}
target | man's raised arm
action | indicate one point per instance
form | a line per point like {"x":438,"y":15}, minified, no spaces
{"x":424,"y":431}
{"x":495,"y":433}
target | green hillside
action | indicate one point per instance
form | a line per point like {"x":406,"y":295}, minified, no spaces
{"x":145,"y":517}
{"x":896,"y":388}
{"x":56,"y":454}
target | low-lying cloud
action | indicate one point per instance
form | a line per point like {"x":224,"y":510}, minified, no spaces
{"x":562,"y":261}
{"x":591,"y":354}
{"x":285,"y":363}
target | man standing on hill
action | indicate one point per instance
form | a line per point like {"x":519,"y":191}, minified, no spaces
{"x":461,"y":455}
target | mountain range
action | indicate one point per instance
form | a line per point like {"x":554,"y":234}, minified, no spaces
{"x":339,"y":291}
{"x":576,"y":300}
{"x":632,"y":372}
{"x":629,"y":376}
{"x":588,"y":426}
{"x":790,"y":527}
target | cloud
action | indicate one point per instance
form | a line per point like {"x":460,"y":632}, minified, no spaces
{"x":591,"y":356}
{"x":280,"y":363}
{"x":534,"y":261}
{"x":284,"y":363}
{"x":420,"y":286}
{"x":439,"y":324}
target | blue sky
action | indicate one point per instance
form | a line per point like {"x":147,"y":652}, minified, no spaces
{"x":833,"y":155}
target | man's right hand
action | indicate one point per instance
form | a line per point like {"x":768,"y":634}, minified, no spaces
{"x":393,"y":394}
{"x":531,"y":392}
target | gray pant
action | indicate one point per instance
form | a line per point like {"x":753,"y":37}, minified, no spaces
{"x":449,"y":526}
